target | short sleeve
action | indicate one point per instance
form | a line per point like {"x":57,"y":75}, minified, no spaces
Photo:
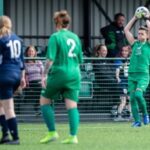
{"x":52,"y":48}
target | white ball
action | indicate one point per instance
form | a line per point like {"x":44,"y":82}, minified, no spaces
{"x":141,"y":12}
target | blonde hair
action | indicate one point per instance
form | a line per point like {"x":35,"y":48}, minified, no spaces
{"x":5,"y":25}
{"x":62,"y":17}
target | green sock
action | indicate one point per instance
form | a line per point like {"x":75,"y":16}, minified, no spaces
{"x":134,"y":107}
{"x":73,"y":120}
{"x":142,"y":102}
{"x":48,"y":115}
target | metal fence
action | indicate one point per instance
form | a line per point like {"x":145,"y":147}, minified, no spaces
{"x":99,"y":95}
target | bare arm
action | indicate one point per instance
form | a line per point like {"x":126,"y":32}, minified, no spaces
{"x":23,"y":81}
{"x":148,"y":26}
{"x":48,"y":65}
{"x":127,"y":29}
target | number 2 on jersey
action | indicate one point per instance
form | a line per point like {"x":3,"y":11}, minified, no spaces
{"x":15,"y":48}
{"x":71,"y":42}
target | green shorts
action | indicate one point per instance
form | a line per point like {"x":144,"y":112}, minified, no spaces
{"x":61,"y":86}
{"x":138,"y":80}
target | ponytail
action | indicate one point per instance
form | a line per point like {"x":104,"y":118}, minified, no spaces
{"x":5,"y":26}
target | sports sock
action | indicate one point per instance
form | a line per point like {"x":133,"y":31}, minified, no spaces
{"x":13,"y":128}
{"x":142,"y":101}
{"x":134,"y":107}
{"x":73,"y":115}
{"x":48,"y":115}
{"x":3,"y":123}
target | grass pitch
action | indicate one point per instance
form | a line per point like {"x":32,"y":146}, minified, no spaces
{"x":96,"y":136}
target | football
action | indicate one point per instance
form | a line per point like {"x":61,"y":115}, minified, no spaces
{"x":141,"y":12}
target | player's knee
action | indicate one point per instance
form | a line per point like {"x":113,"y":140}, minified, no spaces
{"x":45,"y":101}
{"x":70,"y":104}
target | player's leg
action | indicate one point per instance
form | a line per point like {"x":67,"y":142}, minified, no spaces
{"x":51,"y":92}
{"x":71,"y":99}
{"x":48,"y":116}
{"x":142,"y":85}
{"x":135,"y":110}
{"x":142,"y":103}
{"x":9,"y":86}
{"x":8,"y":105}
{"x":134,"y":105}
{"x":10,"y":82}
{"x":4,"y":127}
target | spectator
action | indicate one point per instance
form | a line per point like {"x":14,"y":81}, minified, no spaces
{"x":122,"y":79}
{"x":102,"y":67}
{"x":33,"y":74}
{"x":114,"y":35}
{"x":104,"y":72}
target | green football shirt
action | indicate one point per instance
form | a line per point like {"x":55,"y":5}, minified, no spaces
{"x":64,"y":49}
{"x":140,"y":57}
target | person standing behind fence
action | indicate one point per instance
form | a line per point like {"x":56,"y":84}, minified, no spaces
{"x":63,"y":57}
{"x":138,"y":78}
{"x":103,"y":68}
{"x":33,"y":73}
{"x":105,"y":82}
{"x":114,"y":35}
{"x":11,"y":76}
{"x":122,"y":79}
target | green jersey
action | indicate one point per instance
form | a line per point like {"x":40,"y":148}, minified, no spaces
{"x":140,"y":57}
{"x":64,"y":49}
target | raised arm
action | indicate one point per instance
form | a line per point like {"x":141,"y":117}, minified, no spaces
{"x":148,"y":27}
{"x":127,"y":29}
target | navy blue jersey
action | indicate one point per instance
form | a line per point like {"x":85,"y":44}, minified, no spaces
{"x":11,"y":53}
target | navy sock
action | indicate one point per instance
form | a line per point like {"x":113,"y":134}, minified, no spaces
{"x":13,"y":128}
{"x":3,"y":123}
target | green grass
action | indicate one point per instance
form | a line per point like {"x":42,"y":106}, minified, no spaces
{"x":96,"y":136}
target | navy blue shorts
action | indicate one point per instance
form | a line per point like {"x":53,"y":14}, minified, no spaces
{"x":9,"y":82}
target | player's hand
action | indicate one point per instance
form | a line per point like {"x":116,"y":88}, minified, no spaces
{"x":23,"y":83}
{"x":146,"y":16}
